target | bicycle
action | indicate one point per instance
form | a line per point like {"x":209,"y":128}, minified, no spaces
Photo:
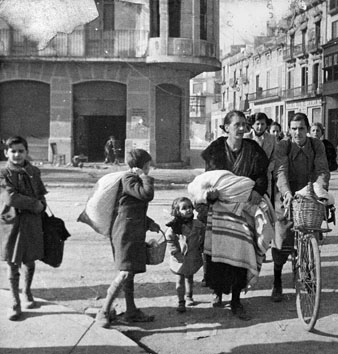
{"x":306,"y":266}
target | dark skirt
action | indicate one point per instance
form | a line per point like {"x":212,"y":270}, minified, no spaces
{"x":222,"y":278}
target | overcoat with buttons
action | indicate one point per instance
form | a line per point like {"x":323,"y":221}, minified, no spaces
{"x":130,"y":226}
{"x":21,"y":234}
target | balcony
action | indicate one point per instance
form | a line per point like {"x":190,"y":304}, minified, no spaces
{"x":81,"y":43}
{"x":312,"y":90}
{"x":288,"y":54}
{"x":314,"y":46}
{"x":134,"y":45}
{"x":300,"y":51}
{"x":195,"y":55}
{"x":270,"y":94}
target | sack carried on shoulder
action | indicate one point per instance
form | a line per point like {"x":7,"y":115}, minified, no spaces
{"x":99,"y":210}
{"x":54,"y":236}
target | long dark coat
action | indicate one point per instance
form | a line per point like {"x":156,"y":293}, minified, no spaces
{"x":250,"y":162}
{"x":131,"y":224}
{"x":21,"y":237}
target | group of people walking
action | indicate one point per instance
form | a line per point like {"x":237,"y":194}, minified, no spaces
{"x":276,"y":166}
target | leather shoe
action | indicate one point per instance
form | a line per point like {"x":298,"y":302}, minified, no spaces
{"x":277,"y":294}
{"x":217,"y":301}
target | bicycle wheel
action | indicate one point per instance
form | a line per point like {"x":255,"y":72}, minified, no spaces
{"x":308,"y":284}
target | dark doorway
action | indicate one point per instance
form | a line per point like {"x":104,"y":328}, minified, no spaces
{"x":94,"y":131}
{"x":99,"y":111}
{"x":168,"y":123}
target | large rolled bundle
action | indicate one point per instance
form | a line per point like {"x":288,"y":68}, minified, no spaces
{"x":231,"y":188}
{"x":98,"y":212}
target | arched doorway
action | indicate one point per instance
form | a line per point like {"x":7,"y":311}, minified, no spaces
{"x":168,"y":123}
{"x":99,"y":112}
{"x":25,"y":111}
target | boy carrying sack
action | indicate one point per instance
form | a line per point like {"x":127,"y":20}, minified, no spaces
{"x":128,"y":237}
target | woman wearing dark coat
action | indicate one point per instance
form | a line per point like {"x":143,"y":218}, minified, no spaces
{"x":317,"y":131}
{"x":243,"y":157}
{"x":128,"y":236}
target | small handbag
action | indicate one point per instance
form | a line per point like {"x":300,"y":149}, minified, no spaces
{"x":54,"y":236}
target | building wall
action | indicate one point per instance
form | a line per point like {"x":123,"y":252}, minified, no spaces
{"x":140,"y":103}
{"x":124,"y":54}
{"x":271,"y":61}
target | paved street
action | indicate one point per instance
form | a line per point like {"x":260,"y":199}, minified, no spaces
{"x":87,"y":270}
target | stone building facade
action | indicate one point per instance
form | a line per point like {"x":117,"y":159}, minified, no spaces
{"x":124,"y":74}
{"x":281,"y":73}
{"x":330,"y":85}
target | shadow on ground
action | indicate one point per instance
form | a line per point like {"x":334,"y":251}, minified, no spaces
{"x":304,"y":347}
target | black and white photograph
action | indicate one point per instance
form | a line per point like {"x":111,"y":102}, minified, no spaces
{"x":168,"y":176}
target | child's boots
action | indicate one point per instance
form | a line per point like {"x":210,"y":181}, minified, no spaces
{"x":181,"y":306}
{"x":14,"y":312}
{"x":27,"y":297}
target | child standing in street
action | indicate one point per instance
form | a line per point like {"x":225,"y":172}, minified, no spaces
{"x":21,"y":204}
{"x":185,"y":236}
{"x":128,"y":237}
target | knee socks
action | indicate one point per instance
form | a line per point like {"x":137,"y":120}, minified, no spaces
{"x":28,"y":270}
{"x":14,"y":278}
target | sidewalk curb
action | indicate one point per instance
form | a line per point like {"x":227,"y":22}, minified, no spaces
{"x":53,"y":328}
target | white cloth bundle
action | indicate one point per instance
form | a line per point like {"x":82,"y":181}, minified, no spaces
{"x":320,"y":192}
{"x":231,"y":188}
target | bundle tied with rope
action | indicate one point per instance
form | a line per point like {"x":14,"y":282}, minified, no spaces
{"x":308,"y":210}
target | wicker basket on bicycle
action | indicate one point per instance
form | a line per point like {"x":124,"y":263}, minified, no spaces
{"x":308,"y":211}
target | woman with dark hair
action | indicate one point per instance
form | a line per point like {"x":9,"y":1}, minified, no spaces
{"x":317,"y":131}
{"x":259,"y":133}
{"x":243,"y":157}
{"x":275,"y":129}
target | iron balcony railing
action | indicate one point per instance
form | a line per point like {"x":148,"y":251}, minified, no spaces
{"x":90,"y":43}
{"x":264,"y":94}
{"x":292,"y":52}
{"x":314,"y":46}
{"x":300,"y":50}
{"x":288,"y":53}
{"x":311,"y":90}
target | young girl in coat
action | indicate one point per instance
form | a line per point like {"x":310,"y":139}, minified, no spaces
{"x":128,"y":237}
{"x":185,"y":236}
{"x":21,"y":203}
